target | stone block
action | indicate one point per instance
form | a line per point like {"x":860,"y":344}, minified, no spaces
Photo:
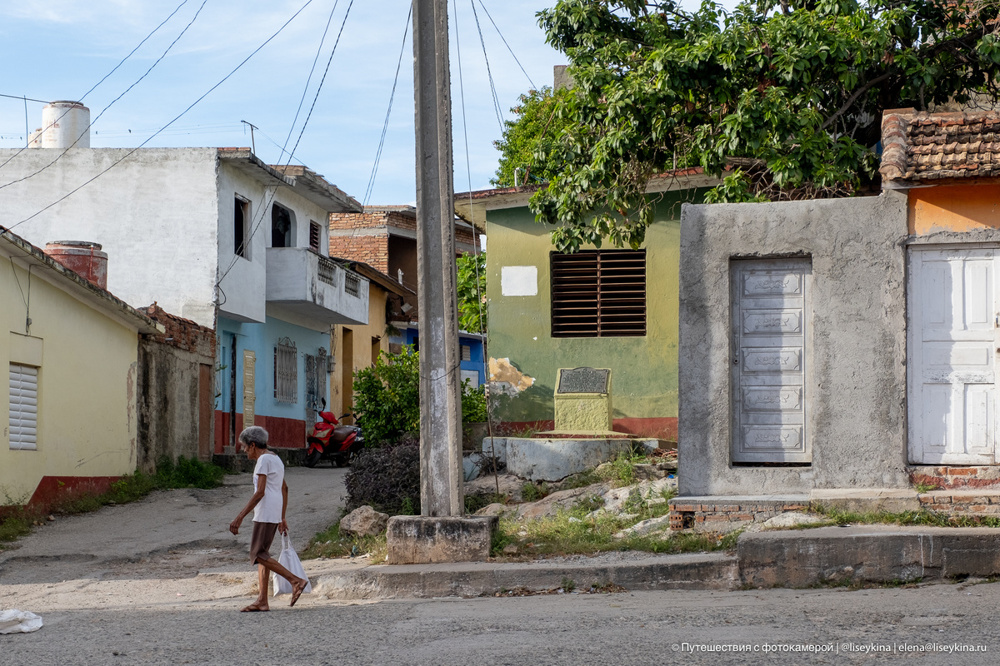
{"x":430,"y":539}
{"x":540,"y":459}
{"x":364,"y":521}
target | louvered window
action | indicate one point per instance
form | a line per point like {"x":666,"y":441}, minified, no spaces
{"x":315,"y":236}
{"x":286,"y":376}
{"x":23,"y":407}
{"x":599,"y":294}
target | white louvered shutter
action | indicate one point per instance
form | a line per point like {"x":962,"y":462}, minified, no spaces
{"x":23,"y":407}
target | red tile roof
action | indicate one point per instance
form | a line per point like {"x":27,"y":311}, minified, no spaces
{"x":920,"y":147}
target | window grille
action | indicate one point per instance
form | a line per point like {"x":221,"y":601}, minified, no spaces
{"x":326,"y":270}
{"x":466,"y":353}
{"x":599,"y":293}
{"x":285,"y":372}
{"x":352,"y":284}
{"x":23,"y":407}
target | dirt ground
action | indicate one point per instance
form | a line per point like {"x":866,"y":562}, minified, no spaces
{"x":173,"y":548}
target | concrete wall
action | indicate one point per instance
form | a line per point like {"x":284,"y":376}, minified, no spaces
{"x":525,"y":356}
{"x":155,"y":213}
{"x":87,"y":388}
{"x":857,"y":390}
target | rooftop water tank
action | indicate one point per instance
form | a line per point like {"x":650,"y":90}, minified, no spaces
{"x":65,"y":122}
{"x":82,"y":257}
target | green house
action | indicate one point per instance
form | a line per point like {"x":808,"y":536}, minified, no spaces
{"x":602,"y":308}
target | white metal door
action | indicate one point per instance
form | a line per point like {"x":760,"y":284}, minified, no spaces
{"x":952,"y":349}
{"x":770,"y":345}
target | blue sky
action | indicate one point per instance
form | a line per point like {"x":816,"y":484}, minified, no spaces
{"x":59,"y":49}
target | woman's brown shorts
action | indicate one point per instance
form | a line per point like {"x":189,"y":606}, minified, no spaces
{"x":260,"y":541}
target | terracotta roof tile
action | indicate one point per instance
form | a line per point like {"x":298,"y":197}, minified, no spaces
{"x":934,"y":146}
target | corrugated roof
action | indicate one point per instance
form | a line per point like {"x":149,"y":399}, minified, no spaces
{"x":921,"y":147}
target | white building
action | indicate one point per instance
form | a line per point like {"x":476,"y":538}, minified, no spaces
{"x":215,"y":236}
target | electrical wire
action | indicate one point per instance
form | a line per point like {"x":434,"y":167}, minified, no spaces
{"x":125,"y":92}
{"x":385,"y":125}
{"x":489,"y":74}
{"x":305,"y":123}
{"x":475,"y":246}
{"x":497,"y":28}
{"x":94,"y":87}
{"x":176,"y":118}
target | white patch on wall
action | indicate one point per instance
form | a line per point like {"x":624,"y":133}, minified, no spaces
{"x":519,"y":280}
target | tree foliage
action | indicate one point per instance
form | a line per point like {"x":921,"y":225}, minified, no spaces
{"x":528,"y":138}
{"x":789,"y":94}
{"x":472,"y":292}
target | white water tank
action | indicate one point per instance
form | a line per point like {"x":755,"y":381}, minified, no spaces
{"x":65,"y":122}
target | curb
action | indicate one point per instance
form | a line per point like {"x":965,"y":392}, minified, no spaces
{"x":871,"y":554}
{"x":714,"y":571}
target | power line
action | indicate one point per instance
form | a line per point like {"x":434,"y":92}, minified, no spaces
{"x":305,"y":124}
{"x":489,"y":74}
{"x":176,"y":118}
{"x":22,"y":97}
{"x":497,"y":28}
{"x":125,"y":92}
{"x":94,"y":87}
{"x":385,"y":126}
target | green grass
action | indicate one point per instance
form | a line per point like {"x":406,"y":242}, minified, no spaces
{"x":928,"y":518}
{"x":571,"y":532}
{"x":18,"y":520}
{"x":332,"y":543}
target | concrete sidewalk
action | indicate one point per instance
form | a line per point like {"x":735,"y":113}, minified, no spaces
{"x":785,"y":558}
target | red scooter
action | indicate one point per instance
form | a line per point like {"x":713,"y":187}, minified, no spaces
{"x":333,"y":441}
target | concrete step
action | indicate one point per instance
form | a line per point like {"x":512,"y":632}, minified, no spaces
{"x":868,"y":554}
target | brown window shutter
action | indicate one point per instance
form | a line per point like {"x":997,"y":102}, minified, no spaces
{"x":598,"y":293}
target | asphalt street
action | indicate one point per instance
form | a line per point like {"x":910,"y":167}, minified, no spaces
{"x":160,"y":582}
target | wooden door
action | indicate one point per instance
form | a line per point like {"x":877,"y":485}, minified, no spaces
{"x":770,"y":353}
{"x":952,"y":350}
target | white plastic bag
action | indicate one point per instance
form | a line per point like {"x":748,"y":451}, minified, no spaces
{"x":16,"y":621}
{"x":290,"y":560}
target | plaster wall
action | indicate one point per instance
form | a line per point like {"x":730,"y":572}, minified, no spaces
{"x":644,"y":368}
{"x":262,"y":339}
{"x":856,"y":394}
{"x":954,"y":208}
{"x":155,"y":213}
{"x":87,"y":384}
{"x":367,"y":338}
{"x":243,"y":279}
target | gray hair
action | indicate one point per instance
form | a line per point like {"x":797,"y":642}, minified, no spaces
{"x":254,"y":435}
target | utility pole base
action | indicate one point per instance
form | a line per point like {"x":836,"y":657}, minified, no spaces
{"x":430,"y":539}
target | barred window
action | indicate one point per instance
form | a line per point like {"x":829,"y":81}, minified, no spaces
{"x":598,"y":294}
{"x":315,"y":236}
{"x":285,"y":372}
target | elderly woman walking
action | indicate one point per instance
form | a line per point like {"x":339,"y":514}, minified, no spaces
{"x":269,"y":501}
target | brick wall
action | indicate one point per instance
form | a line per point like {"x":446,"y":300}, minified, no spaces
{"x":372,"y":250}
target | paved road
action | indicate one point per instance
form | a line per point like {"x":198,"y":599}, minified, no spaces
{"x":160,"y":582}
{"x":639,"y":628}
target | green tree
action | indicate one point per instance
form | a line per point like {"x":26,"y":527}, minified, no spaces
{"x":472,"y":292}
{"x":788,"y":94}
{"x":387,"y":397}
{"x":528,"y":139}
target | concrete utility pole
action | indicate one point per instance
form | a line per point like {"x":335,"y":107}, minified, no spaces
{"x":440,"y":393}
{"x":441,"y":533}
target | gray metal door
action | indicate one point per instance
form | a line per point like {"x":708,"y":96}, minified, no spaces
{"x":770,"y":310}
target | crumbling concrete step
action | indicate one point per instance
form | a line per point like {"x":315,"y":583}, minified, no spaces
{"x":664,"y":572}
{"x":866,"y":554}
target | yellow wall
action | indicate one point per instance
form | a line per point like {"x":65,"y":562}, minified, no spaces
{"x":87,"y":371}
{"x":954,"y":208}
{"x":361,"y":352}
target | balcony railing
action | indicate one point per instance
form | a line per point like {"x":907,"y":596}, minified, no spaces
{"x":312,"y":290}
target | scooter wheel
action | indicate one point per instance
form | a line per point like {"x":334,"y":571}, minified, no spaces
{"x":313,"y":458}
{"x":341,"y":461}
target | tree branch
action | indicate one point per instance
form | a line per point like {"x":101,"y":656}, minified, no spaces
{"x":853,"y":98}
